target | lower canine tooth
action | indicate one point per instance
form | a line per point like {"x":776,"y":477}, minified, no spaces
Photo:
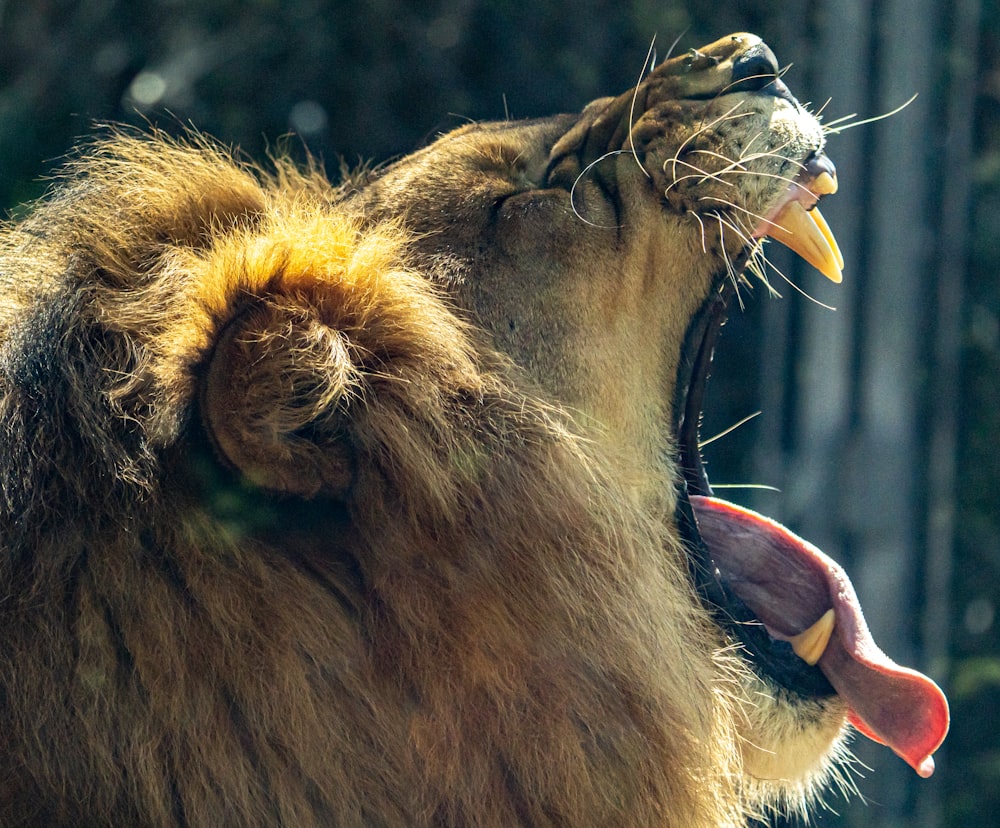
{"x":810,"y":644}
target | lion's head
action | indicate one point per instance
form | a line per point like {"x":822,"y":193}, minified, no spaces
{"x":616,"y":239}
{"x":384,"y":504}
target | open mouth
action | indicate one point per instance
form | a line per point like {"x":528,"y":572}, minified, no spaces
{"x":792,"y":608}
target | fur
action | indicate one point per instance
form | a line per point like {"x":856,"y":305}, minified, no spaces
{"x":292,"y":535}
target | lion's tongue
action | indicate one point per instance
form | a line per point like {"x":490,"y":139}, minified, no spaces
{"x":790,"y":585}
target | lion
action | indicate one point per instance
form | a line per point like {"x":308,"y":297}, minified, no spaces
{"x":381,"y":504}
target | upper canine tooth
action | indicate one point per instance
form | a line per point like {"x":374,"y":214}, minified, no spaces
{"x":807,"y":233}
{"x":824,"y":228}
{"x":810,"y":644}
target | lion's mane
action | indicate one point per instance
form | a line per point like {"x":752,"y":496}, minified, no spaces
{"x":283,"y":542}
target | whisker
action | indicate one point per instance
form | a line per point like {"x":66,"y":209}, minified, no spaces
{"x":773,"y":78}
{"x":819,"y":111}
{"x":739,"y":165}
{"x":699,"y":173}
{"x":733,"y":205}
{"x":731,"y":165}
{"x":731,"y":273}
{"x":757,"y":261}
{"x":828,"y":126}
{"x":727,"y":431}
{"x":729,"y":86}
{"x":756,"y":173}
{"x":759,"y":272}
{"x":741,"y":232}
{"x":631,"y":111}
{"x":750,"y":143}
{"x":730,"y":222}
{"x":673,"y":45}
{"x":773,"y":152}
{"x":730,"y":114}
{"x":579,"y":178}
{"x":837,"y":126}
{"x":795,"y":287}
{"x":804,"y":293}
{"x":704,"y":240}
{"x":758,"y":264}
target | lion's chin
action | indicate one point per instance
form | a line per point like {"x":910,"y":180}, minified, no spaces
{"x":792,"y":748}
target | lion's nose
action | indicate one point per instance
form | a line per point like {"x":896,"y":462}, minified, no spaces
{"x":754,"y":69}
{"x":741,"y":63}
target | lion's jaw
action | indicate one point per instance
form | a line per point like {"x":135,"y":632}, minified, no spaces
{"x":696,"y":177}
{"x":608,"y":233}
{"x":608,"y":239}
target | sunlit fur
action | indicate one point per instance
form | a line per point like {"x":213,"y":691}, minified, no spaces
{"x":354,"y":506}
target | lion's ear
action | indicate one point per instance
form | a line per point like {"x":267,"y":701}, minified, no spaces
{"x":274,"y":399}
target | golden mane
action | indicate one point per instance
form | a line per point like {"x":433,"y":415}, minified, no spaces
{"x":212,"y":668}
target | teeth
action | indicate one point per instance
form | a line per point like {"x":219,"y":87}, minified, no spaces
{"x":810,"y":644}
{"x":808,"y":234}
{"x":824,"y":228}
{"x":824,"y":184}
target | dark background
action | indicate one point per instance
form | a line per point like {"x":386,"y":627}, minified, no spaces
{"x":880,"y":420}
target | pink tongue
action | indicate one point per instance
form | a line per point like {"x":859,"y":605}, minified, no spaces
{"x":788,"y":584}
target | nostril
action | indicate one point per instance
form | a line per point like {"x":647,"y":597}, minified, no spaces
{"x":754,"y":69}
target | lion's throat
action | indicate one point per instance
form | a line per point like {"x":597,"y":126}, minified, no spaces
{"x":803,"y":596}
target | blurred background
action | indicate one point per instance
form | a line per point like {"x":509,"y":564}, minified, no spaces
{"x":879,"y":421}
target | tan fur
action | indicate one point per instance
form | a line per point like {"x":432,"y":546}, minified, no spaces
{"x":354,"y":507}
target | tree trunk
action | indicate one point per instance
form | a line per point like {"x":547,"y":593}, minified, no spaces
{"x":856,"y":477}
